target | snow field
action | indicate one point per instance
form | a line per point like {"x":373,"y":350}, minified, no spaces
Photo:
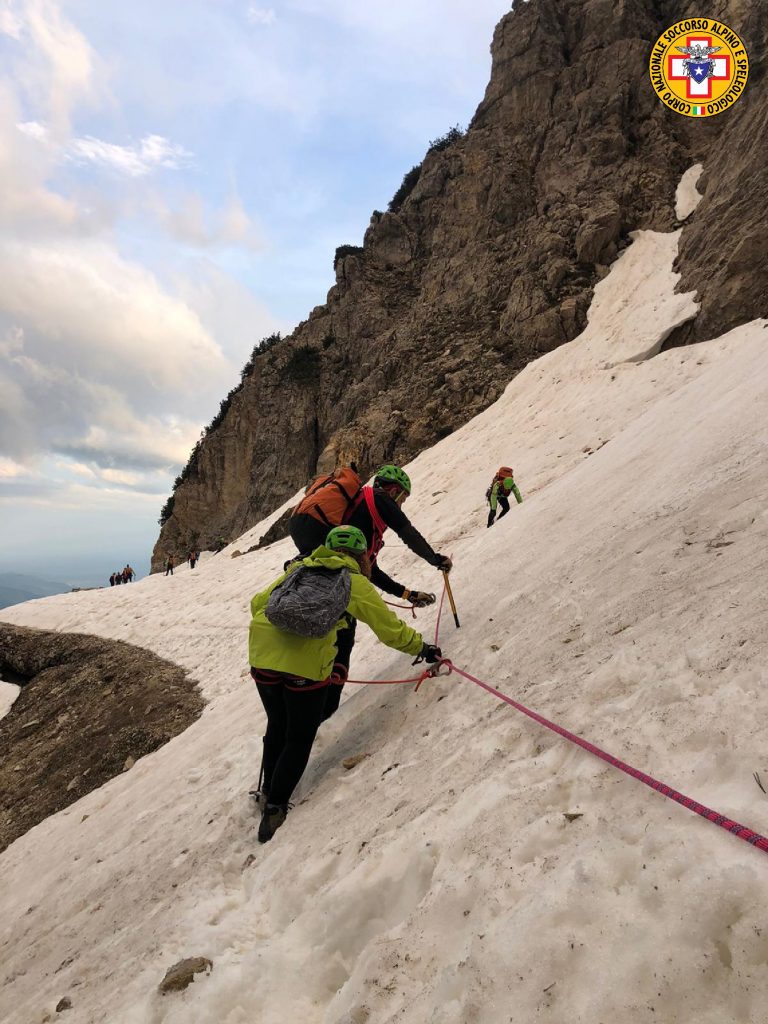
{"x":688,"y":197}
{"x":8,"y":694}
{"x":439,"y":880}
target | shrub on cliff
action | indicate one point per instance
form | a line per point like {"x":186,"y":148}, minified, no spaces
{"x":444,"y":141}
{"x":409,"y":181}
{"x":264,"y":345}
{"x":346,"y":250}
{"x":303,"y":365}
{"x":167,"y":510}
{"x":407,"y":186}
{"x":258,"y":349}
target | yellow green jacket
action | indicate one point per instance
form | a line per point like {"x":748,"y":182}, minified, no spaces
{"x":497,"y":488}
{"x":307,"y":658}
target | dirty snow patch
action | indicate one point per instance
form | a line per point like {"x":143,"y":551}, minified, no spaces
{"x":688,"y":197}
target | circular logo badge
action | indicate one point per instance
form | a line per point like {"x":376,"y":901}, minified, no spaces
{"x":699,"y":67}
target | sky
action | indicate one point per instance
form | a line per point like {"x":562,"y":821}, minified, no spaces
{"x":174,"y":180}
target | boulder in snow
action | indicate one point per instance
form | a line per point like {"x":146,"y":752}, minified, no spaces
{"x":182,"y":974}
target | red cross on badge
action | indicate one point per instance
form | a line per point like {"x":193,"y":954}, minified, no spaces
{"x":698,"y":90}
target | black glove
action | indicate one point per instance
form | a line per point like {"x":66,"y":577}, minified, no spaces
{"x":430,"y":653}
{"x":491,"y":517}
{"x":418,"y":598}
{"x":444,"y":563}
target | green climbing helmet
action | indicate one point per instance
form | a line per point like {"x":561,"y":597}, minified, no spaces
{"x":394,"y":475}
{"x":346,"y":538}
{"x":508,"y":483}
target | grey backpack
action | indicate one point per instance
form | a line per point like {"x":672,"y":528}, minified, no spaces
{"x":309,"y":602}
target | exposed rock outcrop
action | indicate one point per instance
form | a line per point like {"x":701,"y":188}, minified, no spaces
{"x":182,"y":974}
{"x":491,"y":258}
{"x":724,"y":247}
{"x":88,"y":708}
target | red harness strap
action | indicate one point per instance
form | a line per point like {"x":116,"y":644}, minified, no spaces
{"x":270,"y":678}
{"x":379,"y":526}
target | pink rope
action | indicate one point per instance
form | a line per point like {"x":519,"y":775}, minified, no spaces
{"x":369,"y":682}
{"x":740,"y":831}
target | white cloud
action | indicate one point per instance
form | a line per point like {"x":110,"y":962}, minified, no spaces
{"x":79,"y":303}
{"x":72,"y":475}
{"x":12,"y":341}
{"x":9,"y":469}
{"x":10,"y":22}
{"x":79,"y":496}
{"x":119,"y":437}
{"x":227,"y":308}
{"x":78,"y":468}
{"x":152,"y":151}
{"x":60,"y":66}
{"x":34,"y":130}
{"x":191,"y":223}
{"x":15,"y":417}
{"x":93,"y":355}
{"x":98,"y":426}
{"x":261,"y":15}
{"x":99,"y":362}
{"x":236,"y":225}
{"x":119,"y":476}
{"x":27,"y":205}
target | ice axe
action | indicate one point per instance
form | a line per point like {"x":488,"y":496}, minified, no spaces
{"x":450,"y":598}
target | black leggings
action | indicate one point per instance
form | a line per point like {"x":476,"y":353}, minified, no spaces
{"x":504,"y":504}
{"x":293,"y":716}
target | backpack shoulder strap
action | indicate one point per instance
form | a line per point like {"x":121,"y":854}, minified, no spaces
{"x":379,"y":526}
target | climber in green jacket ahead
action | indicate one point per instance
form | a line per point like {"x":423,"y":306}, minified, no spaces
{"x":293,"y":672}
{"x":498,"y":493}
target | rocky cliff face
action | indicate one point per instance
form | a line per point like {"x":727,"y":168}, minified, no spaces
{"x":88,"y":709}
{"x":724,"y":247}
{"x":492,"y":257}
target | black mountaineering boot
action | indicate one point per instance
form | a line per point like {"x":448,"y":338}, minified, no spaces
{"x":271,"y":820}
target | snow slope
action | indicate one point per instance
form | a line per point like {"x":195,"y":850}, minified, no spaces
{"x":8,"y":694}
{"x":439,"y":881}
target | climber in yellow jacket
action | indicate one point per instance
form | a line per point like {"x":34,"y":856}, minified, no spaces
{"x":293,"y":671}
{"x":502,"y":486}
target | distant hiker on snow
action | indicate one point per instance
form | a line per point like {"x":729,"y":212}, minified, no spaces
{"x":112,"y":580}
{"x":169,"y":565}
{"x":192,"y":559}
{"x":340,"y":498}
{"x":293,"y":648}
{"x":502,"y":486}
